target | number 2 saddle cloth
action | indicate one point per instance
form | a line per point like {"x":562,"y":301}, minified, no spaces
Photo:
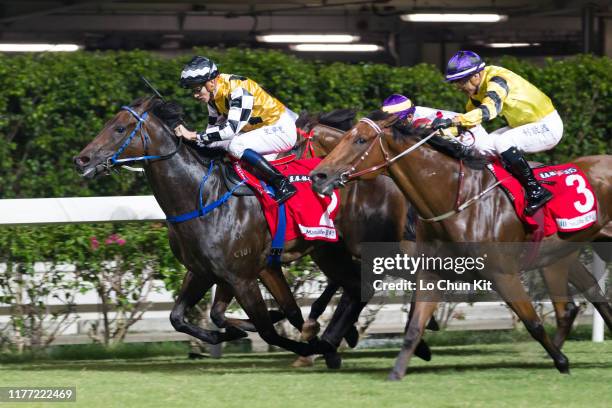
{"x":308,"y":214}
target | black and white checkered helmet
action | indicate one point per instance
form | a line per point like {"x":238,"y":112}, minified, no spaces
{"x":197,"y":71}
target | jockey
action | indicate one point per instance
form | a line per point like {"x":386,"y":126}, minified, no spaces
{"x":243,"y":119}
{"x":534,"y":124}
{"x":411,"y":115}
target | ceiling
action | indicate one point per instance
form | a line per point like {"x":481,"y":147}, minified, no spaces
{"x":558,"y":25}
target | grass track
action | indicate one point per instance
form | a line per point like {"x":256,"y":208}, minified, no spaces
{"x":500,"y":375}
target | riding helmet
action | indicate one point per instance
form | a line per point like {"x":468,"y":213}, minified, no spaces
{"x":197,"y":71}
{"x":463,"y":64}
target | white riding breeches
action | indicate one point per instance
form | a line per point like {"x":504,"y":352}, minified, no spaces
{"x":530,"y":138}
{"x":267,"y":140}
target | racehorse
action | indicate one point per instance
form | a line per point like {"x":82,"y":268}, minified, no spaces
{"x":229,"y":246}
{"x":424,"y":166}
{"x":324,"y":133}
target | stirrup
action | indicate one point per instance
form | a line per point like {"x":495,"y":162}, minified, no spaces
{"x":531,"y":208}
{"x":283,"y":194}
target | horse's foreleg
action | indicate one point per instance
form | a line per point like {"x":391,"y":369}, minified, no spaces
{"x":249,"y":297}
{"x":556,"y":280}
{"x":192,"y":291}
{"x":422,"y":310}
{"x":510,"y":288}
{"x":275,"y":282}
{"x":311,"y":326}
{"x":223,"y":297}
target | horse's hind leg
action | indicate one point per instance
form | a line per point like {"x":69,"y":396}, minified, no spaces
{"x":556,"y":280}
{"x":510,"y":288}
{"x":192,"y":291}
{"x":584,"y":281}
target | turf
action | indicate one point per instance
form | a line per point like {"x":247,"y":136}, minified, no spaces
{"x":512,"y":375}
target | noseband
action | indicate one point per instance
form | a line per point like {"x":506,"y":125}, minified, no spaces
{"x":139,"y":128}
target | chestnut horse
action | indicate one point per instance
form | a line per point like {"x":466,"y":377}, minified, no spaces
{"x":425,"y":167}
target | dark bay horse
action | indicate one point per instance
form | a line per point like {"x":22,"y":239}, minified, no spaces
{"x":229,"y":246}
{"x":429,"y":178}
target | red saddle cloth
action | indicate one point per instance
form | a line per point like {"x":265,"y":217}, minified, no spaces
{"x":308,"y":214}
{"x":573,"y":206}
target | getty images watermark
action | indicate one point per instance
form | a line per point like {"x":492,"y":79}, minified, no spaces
{"x":404,"y":263}
{"x":466,"y":272}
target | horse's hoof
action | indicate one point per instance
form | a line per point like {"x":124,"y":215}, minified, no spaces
{"x":562,"y":365}
{"x":422,"y":351}
{"x":352,"y":337}
{"x":234,"y":333}
{"x":310,"y":328}
{"x":433,"y":324}
{"x":333,"y":360}
{"x":196,"y":356}
{"x":321,"y":346}
{"x":276,"y":316}
{"x":303,"y":362}
{"x":395,"y":376}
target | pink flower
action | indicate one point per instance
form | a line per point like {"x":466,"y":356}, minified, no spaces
{"x":94,"y":243}
{"x":114,"y":239}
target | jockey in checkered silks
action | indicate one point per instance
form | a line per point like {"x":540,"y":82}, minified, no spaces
{"x":243,"y":119}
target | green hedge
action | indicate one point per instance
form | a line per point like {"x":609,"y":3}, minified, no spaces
{"x":53,"y":105}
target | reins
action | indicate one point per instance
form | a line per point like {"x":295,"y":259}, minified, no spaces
{"x":351,"y":174}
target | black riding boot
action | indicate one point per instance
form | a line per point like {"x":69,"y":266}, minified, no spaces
{"x":535,"y":194}
{"x":283,"y":189}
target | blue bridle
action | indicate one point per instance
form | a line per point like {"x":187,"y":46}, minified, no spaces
{"x":113,"y":160}
{"x":202,"y":209}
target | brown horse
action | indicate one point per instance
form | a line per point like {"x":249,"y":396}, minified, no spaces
{"x":429,"y":178}
{"x":208,"y":245}
{"x":325,"y":132}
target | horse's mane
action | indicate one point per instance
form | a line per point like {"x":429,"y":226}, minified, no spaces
{"x":471,"y":157}
{"x":171,"y":114}
{"x":342,"y":119}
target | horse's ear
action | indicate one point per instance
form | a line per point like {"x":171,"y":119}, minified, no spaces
{"x":389,"y":121}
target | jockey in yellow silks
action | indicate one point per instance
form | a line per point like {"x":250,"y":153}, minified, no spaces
{"x":243,"y":119}
{"x":533,"y":122}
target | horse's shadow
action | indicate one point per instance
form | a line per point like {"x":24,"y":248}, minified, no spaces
{"x":275,"y":363}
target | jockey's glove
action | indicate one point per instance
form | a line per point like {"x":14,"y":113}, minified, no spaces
{"x":202,"y":139}
{"x":441,"y":123}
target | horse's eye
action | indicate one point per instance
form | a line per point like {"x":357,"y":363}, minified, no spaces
{"x":120,"y":129}
{"x":361,"y":140}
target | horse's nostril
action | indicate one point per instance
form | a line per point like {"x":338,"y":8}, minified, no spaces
{"x":82,"y":160}
{"x":320,"y":176}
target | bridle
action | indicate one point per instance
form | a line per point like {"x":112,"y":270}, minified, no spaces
{"x":349,"y":175}
{"x":114,"y":160}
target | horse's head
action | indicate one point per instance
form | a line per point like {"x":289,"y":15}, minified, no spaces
{"x":138,"y":132}
{"x":378,"y":141}
{"x":358,"y":149}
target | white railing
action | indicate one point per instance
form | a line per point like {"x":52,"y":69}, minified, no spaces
{"x":41,"y":211}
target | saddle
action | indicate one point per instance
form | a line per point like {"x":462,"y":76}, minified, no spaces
{"x":232,"y":179}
